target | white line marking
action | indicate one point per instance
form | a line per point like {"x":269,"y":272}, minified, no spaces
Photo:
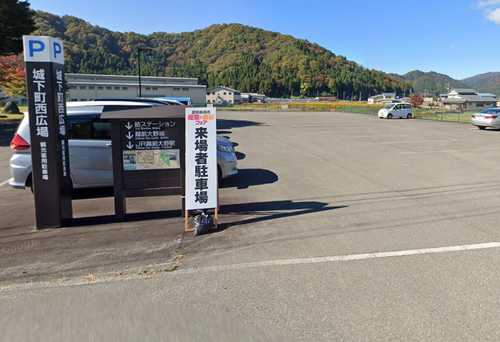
{"x":136,"y":275}
{"x":4,"y":182}
{"x":464,"y":150}
{"x":338,"y":258}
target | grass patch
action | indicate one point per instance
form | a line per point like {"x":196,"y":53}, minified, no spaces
{"x":347,"y":106}
{"x":337,"y":106}
{"x":13,"y":117}
{"x":443,"y":116}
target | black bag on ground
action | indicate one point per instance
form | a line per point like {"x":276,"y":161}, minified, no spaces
{"x":202,"y":223}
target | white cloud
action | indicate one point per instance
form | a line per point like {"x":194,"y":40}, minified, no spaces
{"x":494,"y":15}
{"x":491,"y":9}
{"x":488,"y":3}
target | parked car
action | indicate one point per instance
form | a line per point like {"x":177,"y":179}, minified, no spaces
{"x":489,"y":117}
{"x":90,"y":146}
{"x":396,"y":110}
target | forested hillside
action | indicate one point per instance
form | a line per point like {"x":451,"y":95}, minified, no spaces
{"x":234,"y":55}
{"x":430,"y":83}
{"x":488,"y":82}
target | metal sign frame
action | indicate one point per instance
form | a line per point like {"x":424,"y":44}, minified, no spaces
{"x":146,"y":131}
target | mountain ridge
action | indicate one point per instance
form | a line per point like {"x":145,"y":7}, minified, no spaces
{"x":243,"y":57}
{"x":239,"y":56}
{"x":432,"y":82}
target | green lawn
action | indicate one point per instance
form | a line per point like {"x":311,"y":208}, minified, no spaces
{"x":13,"y":117}
{"x":451,"y":117}
{"x":346,"y":106}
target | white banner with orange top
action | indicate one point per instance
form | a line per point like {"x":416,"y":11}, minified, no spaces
{"x":201,"y":158}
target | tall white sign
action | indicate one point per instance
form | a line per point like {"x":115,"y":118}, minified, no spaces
{"x":201,"y":158}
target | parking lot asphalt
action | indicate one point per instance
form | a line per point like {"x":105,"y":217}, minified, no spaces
{"x":351,"y":183}
{"x":312,"y":189}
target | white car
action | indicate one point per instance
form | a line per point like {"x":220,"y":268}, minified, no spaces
{"x":396,"y":111}
{"x":487,"y":118}
{"x":90,"y":146}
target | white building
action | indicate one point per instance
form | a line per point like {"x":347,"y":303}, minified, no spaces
{"x":223,"y":96}
{"x":384,"y":97}
{"x":84,"y":87}
{"x":467,"y":99}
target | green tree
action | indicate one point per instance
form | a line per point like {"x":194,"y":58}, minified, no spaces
{"x":16,"y":20}
{"x":245,"y":58}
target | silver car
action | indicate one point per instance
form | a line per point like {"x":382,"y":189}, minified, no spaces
{"x":90,"y":146}
{"x":487,"y":118}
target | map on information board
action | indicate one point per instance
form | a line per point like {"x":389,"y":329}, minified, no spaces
{"x":151,"y":160}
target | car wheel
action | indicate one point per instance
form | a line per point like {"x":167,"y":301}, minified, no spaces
{"x":409,"y":116}
{"x":389,"y":116}
{"x":482,"y":128}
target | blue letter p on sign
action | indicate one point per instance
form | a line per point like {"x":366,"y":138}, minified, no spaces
{"x":35,"y":46}
{"x":57,"y":49}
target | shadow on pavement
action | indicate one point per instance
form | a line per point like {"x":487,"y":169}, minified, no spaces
{"x":250,"y":177}
{"x":267,"y":211}
{"x":132,"y":217}
{"x":225,"y":124}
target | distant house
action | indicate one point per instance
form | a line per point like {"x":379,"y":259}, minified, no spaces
{"x":223,"y":96}
{"x":429,"y":101}
{"x":384,"y":97}
{"x":467,"y":99}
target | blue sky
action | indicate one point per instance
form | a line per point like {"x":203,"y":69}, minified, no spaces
{"x":456,"y":37}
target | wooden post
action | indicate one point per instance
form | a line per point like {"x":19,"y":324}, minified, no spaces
{"x":187,"y":228}
{"x":217,"y":209}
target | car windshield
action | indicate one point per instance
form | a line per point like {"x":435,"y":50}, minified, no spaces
{"x":389,"y":105}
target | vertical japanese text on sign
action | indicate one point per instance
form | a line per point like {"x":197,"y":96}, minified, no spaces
{"x":201,"y":158}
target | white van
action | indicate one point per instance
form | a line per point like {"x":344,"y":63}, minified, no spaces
{"x":396,"y":111}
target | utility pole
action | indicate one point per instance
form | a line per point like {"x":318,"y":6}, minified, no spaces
{"x":139,"y":50}
{"x":139,"y":67}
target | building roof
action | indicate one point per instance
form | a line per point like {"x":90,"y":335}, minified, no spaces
{"x":487,"y":95}
{"x":451,"y":100}
{"x":159,"y":85}
{"x":225,"y":88}
{"x":69,"y":74}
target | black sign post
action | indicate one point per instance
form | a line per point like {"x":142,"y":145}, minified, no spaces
{"x":47,"y":117}
{"x":148,"y":153}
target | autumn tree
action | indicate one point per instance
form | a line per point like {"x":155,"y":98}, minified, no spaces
{"x":12,"y":75}
{"x":16,"y":20}
{"x":416,"y":100}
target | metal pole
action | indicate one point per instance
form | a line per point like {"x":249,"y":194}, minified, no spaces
{"x":139,"y":66}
